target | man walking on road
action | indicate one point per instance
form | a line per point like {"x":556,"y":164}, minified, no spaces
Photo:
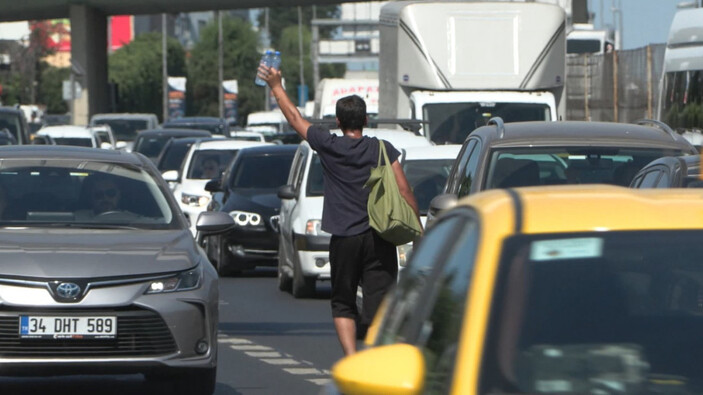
{"x":357,"y":253}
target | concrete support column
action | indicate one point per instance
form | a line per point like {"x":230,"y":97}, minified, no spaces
{"x":89,"y":58}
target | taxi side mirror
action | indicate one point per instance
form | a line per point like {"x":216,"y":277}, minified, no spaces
{"x":393,"y":369}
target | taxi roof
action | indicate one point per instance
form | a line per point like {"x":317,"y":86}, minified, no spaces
{"x":592,"y":208}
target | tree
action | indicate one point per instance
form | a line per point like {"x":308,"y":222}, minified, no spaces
{"x":282,"y":17}
{"x":50,"y":90}
{"x":290,"y":62}
{"x":136,"y":68}
{"x":241,"y":59}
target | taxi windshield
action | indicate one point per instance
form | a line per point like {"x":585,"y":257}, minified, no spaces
{"x":616,"y":312}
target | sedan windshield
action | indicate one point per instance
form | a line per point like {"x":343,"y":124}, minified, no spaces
{"x":532,"y":166}
{"x":66,"y":192}
{"x":617,"y":312}
{"x":75,"y":141}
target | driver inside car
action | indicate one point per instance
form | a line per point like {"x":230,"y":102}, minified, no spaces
{"x":103,"y":194}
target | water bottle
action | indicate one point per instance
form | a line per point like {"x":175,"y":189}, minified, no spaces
{"x":266,"y":60}
{"x":276,"y":60}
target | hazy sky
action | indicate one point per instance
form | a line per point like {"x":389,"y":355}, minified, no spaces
{"x":644,"y":21}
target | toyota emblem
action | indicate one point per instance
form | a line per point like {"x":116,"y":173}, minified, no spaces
{"x":68,"y":290}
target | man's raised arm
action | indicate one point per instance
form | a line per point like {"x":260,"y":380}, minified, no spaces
{"x":289,"y":110}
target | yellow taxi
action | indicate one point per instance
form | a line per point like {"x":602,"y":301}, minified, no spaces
{"x":565,"y":289}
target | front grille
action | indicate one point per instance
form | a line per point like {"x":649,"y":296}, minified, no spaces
{"x":140,"y":333}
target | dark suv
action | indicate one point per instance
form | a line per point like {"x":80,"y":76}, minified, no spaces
{"x":249,"y":189}
{"x":506,"y":155}
{"x":12,"y":119}
{"x":670,"y":172}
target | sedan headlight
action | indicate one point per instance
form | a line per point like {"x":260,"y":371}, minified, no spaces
{"x":194,"y":200}
{"x":404,"y":252}
{"x":184,"y":281}
{"x":247,"y":219}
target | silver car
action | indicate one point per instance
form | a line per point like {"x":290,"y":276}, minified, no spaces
{"x":99,"y":272}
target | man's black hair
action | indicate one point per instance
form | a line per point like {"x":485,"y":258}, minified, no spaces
{"x":351,"y":113}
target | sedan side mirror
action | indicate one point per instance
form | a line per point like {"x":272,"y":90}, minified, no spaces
{"x":286,"y":192}
{"x":440,"y":203}
{"x":214,"y":185}
{"x":213,"y":222}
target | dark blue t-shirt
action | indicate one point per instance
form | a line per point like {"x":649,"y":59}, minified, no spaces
{"x":346,"y":164}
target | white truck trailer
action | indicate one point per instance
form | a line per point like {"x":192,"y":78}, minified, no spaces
{"x":454,"y":65}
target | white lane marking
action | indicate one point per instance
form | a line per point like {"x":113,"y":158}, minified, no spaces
{"x":250,"y":347}
{"x":256,"y":354}
{"x":302,"y":371}
{"x":320,"y":381}
{"x":273,"y":357}
{"x":233,"y":340}
{"x":281,"y":361}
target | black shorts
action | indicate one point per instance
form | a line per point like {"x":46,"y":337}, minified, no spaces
{"x":364,"y":258}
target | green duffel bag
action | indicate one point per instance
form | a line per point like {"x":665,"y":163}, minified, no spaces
{"x":389,"y":214}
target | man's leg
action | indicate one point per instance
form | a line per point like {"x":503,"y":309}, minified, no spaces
{"x":345,"y":265}
{"x":379,"y":275}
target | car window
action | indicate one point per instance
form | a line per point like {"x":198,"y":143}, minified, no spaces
{"x":208,"y":164}
{"x":460,"y":166}
{"x":468,"y":176}
{"x":315,"y":185}
{"x":444,"y":242}
{"x":587,"y":313}
{"x":663,"y":180}
{"x":297,"y":169}
{"x":172,"y":156}
{"x":269,"y":171}
{"x":532,"y":166}
{"x":75,"y":141}
{"x":123,"y":129}
{"x":650,"y":179}
{"x":427,"y":178}
{"x":63,"y":192}
{"x":11,"y":122}
{"x":150,"y":146}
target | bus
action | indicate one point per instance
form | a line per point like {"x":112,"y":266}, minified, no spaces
{"x":681,"y":86}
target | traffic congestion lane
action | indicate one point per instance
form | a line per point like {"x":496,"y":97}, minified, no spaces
{"x":268,"y":343}
{"x":272,"y":343}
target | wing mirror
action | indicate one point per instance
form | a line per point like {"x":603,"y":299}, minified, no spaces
{"x":440,"y":203}
{"x":170,"y":176}
{"x":213,"y":222}
{"x":286,"y":192}
{"x":391,"y":369}
{"x":121,"y":145}
{"x":214,"y":185}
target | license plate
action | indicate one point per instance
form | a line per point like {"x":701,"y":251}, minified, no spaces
{"x":66,"y":327}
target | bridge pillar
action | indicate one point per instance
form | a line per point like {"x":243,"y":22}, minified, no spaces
{"x":89,"y":60}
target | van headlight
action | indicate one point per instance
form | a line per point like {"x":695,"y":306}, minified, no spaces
{"x":183,"y":281}
{"x":247,"y":219}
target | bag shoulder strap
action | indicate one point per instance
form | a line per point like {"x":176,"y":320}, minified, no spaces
{"x":382,"y":153}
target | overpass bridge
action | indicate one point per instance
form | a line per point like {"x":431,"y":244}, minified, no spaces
{"x":89,"y":31}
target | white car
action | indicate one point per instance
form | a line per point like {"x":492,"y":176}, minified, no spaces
{"x":105,"y":137}
{"x":206,"y":160}
{"x":80,"y":136}
{"x":427,"y":170}
{"x":303,"y":253}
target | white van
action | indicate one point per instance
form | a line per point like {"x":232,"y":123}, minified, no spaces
{"x":303,"y":253}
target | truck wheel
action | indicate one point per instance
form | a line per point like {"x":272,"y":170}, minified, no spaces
{"x":303,"y":287}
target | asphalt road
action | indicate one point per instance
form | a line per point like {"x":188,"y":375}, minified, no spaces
{"x":269,"y":343}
